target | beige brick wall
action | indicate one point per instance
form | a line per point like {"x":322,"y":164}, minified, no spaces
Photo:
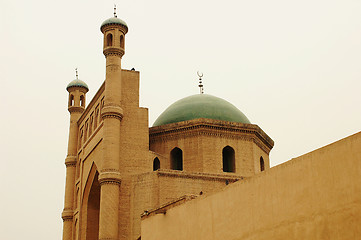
{"x":316,"y":196}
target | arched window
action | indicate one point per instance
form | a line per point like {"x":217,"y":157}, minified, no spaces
{"x":176,"y":159}
{"x":81,"y":137}
{"x":82,"y":102}
{"x":102,"y":103}
{"x":228,"y":159}
{"x":71,"y":100}
{"x":86,"y":131}
{"x":121,"y":41}
{"x":77,"y":173}
{"x":77,"y":198}
{"x":96,"y":117}
{"x":156,"y":164}
{"x":261,"y":162}
{"x":109,"y":40}
{"x":91,"y":124}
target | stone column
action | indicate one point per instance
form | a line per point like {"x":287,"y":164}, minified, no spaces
{"x":67,"y":214}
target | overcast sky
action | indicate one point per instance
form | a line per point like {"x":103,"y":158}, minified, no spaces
{"x":292,"y":67}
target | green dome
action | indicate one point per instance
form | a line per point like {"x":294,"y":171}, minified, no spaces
{"x":114,"y":20}
{"x":201,"y":106}
{"x":77,"y":83}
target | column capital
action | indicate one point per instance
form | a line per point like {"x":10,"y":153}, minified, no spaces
{"x":112,"y":112}
{"x":67,"y":215}
{"x":109,"y":176}
{"x":70,"y":161}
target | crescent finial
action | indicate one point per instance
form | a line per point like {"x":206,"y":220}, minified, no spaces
{"x":200,"y":85}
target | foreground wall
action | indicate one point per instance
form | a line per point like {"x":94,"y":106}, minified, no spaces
{"x":153,"y":189}
{"x":315,"y":196}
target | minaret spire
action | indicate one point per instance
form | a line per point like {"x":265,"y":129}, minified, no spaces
{"x":76,"y":73}
{"x":201,"y":89}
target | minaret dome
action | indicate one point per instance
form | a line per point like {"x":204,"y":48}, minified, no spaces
{"x":77,"y":83}
{"x":114,"y":21}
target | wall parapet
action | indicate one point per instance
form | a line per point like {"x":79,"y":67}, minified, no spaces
{"x":164,"y":207}
{"x":207,"y":176}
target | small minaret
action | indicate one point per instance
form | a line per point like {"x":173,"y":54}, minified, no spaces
{"x":77,"y":90}
{"x":114,"y":30}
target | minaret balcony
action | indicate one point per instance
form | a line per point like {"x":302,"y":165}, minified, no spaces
{"x":108,"y":51}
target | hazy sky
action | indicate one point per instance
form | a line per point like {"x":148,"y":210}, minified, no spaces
{"x":292,"y":67}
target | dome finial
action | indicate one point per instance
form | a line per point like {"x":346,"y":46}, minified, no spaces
{"x":115,"y":10}
{"x":76,"y":73}
{"x":200,"y":75}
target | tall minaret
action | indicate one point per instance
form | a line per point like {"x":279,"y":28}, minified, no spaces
{"x":77,"y":90}
{"x":114,"y":30}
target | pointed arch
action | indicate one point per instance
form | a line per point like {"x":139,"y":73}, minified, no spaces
{"x":228,"y":159}
{"x":86,"y":131}
{"x":91,"y":124}
{"x":176,"y":159}
{"x":156,"y":164}
{"x":81,"y":137}
{"x":96,"y":117}
{"x":90,"y":206}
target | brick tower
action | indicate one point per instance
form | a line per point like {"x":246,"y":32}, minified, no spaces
{"x":76,"y":105}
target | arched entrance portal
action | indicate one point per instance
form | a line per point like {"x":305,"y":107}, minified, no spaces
{"x":92,"y":226}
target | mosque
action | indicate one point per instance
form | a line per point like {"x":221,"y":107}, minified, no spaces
{"x":202,"y":171}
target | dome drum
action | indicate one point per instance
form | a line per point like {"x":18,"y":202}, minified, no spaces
{"x":211,"y":146}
